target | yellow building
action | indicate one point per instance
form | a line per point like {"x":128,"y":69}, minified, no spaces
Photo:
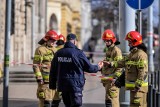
{"x":64,"y":16}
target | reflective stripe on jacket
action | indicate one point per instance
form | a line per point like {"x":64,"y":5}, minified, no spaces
{"x":43,"y":56}
{"x":132,"y":84}
{"x":136,"y":67}
{"x":113,"y":54}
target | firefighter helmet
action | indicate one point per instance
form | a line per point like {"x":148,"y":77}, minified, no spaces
{"x":51,"y":35}
{"x":134,"y":37}
{"x":109,"y":35}
{"x":61,"y":37}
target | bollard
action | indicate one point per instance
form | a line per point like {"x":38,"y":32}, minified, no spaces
{"x":154,"y":79}
{"x":154,"y":97}
{"x":158,"y":92}
{"x":150,"y":91}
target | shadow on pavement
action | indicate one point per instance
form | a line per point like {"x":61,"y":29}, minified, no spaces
{"x":20,"y":103}
{"x":33,"y":103}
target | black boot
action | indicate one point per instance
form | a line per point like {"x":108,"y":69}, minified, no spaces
{"x":55,"y":103}
{"x":47,"y":103}
{"x":108,"y":103}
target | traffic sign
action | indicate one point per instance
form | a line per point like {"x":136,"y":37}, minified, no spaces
{"x":139,"y":4}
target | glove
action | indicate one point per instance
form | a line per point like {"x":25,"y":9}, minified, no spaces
{"x":40,"y":81}
{"x":120,"y":81}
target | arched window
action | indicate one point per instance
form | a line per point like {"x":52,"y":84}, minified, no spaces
{"x":69,"y":28}
{"x":53,"y":24}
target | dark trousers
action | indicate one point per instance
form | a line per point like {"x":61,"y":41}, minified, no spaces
{"x":72,"y":99}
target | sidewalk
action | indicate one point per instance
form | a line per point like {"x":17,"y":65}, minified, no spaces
{"x":21,"y":67}
{"x":29,"y":103}
{"x":20,"y":94}
{"x":24,"y":94}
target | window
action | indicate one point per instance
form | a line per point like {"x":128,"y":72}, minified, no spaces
{"x":69,"y":28}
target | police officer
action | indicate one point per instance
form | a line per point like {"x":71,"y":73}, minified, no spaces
{"x":42,"y":61}
{"x":136,"y":68}
{"x":60,"y":42}
{"x":67,"y":72}
{"x":113,"y":54}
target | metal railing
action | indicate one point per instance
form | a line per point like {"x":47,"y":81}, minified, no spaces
{"x":154,"y":89}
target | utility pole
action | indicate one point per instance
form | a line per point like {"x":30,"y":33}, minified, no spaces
{"x":158,"y":93}
{"x":150,"y":39}
{"x":86,"y":21}
{"x":139,"y":12}
{"x":139,"y":18}
{"x":32,"y":29}
{"x":6,"y":53}
{"x":45,"y":23}
{"x":150,"y":34}
{"x":126,"y":24}
{"x":159,"y":33}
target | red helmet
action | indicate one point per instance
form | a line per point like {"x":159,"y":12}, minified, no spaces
{"x":61,"y":37}
{"x":135,"y":38}
{"x":109,"y":35}
{"x":51,"y":35}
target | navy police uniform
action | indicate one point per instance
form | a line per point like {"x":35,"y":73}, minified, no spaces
{"x":67,"y":73}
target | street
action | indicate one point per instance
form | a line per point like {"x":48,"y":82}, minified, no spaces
{"x":24,"y":94}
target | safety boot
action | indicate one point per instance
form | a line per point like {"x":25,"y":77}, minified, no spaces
{"x":47,"y":103}
{"x":55,"y":103}
{"x":108,"y":103}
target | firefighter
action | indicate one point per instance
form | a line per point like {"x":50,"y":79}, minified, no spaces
{"x":113,"y":54}
{"x":136,"y":69}
{"x":42,"y":61}
{"x":61,"y":42}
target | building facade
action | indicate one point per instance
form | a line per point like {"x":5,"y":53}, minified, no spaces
{"x":64,"y":16}
{"x":31,"y":19}
{"x":2,"y":29}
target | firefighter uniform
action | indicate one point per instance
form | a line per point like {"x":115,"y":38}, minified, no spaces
{"x":112,"y":92}
{"x":42,"y":62}
{"x":113,"y":54}
{"x":136,"y":69}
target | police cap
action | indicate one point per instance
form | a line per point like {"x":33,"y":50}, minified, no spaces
{"x":71,"y":36}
